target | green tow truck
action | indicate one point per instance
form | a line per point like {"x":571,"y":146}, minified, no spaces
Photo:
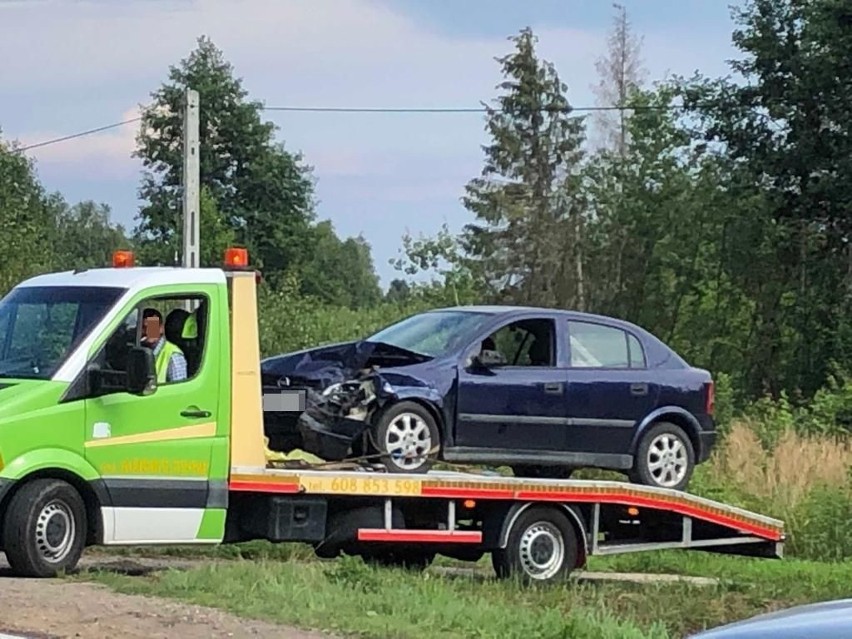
{"x":105,"y":440}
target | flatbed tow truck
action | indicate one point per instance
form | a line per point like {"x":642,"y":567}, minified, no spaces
{"x":96,"y":450}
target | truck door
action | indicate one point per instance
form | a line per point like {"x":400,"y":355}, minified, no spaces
{"x":157,"y":453}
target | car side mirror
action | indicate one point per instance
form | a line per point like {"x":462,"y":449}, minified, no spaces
{"x":141,"y":371}
{"x":486,"y":360}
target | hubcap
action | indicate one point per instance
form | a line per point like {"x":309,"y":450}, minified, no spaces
{"x":55,"y":532}
{"x":667,"y":460}
{"x":408,"y":440}
{"x":542,"y":550}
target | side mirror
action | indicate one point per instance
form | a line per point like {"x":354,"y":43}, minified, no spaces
{"x":489,"y":359}
{"x":484,"y":361}
{"x":141,"y":371}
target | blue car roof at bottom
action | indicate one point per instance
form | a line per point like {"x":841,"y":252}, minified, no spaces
{"x":822,"y":620}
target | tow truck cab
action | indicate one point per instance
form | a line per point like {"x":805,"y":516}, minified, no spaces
{"x":80,"y":400}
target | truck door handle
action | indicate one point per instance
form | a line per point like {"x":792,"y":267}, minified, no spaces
{"x":553,"y":388}
{"x":195,"y":413}
{"x":638,"y":389}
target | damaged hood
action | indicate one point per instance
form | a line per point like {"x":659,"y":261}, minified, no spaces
{"x":319,"y":368}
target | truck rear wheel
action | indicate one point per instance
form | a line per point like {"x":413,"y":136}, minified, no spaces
{"x":44,"y":532}
{"x":541,"y":547}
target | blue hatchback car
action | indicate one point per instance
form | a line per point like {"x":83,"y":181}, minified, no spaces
{"x":543,"y":391}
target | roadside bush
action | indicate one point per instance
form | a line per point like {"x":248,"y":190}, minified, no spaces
{"x":289,"y":321}
{"x":803,"y":479}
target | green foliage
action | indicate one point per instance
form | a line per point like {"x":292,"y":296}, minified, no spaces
{"x":263,"y":194}
{"x":26,"y":217}
{"x":341,"y":272}
{"x":821,"y":526}
{"x":290,"y":321}
{"x":525,"y":244}
{"x":85,"y":236}
{"x":255,"y":193}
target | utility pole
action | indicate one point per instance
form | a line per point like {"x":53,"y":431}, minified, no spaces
{"x":191,"y":182}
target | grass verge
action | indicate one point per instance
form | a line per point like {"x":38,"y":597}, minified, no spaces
{"x":347,"y":597}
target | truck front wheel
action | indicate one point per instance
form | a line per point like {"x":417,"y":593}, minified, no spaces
{"x":541,"y":547}
{"x":44,"y":532}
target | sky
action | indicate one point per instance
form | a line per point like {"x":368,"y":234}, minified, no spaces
{"x":74,"y":65}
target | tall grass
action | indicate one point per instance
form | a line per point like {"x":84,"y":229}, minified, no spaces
{"x":806,"y":480}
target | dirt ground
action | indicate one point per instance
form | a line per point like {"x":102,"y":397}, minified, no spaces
{"x":52,"y":608}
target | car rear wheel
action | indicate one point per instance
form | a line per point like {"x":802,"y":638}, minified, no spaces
{"x":406,"y":437}
{"x":665,"y":458}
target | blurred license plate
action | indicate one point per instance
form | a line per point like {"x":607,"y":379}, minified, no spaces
{"x":284,"y":401}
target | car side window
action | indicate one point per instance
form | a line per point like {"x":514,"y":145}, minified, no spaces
{"x":164,"y":324}
{"x":528,"y":342}
{"x":637,"y":353}
{"x":598,"y":346}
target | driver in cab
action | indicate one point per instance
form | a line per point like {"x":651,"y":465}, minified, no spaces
{"x":170,"y":360}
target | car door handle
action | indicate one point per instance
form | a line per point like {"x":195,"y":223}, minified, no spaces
{"x":553,"y":388}
{"x":199,"y":414}
{"x":638,"y":389}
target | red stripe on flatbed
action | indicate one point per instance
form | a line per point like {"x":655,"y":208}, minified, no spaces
{"x":690,"y":511}
{"x":467,"y":493}
{"x":420,"y":536}
{"x":264,"y":487}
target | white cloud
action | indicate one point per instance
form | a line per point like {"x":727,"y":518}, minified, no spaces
{"x":349,"y":52}
{"x":107,"y":153}
{"x":88,"y":56}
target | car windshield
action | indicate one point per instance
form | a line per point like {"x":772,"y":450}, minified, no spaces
{"x":41,"y":325}
{"x":434,"y":334}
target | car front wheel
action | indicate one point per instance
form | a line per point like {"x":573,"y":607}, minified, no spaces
{"x":665,"y":458}
{"x":406,"y":437}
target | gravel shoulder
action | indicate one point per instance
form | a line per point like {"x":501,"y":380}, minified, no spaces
{"x":61,"y":608}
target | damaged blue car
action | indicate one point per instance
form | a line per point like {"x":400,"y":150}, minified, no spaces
{"x":542,"y":391}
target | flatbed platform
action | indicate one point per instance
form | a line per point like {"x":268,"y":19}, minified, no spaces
{"x":451,"y":485}
{"x":610,"y":516}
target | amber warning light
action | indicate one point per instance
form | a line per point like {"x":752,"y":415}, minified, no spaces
{"x":236,"y":258}
{"x":123,"y":259}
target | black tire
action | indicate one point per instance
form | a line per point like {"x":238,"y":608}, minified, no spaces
{"x":682,"y":456}
{"x":44,"y":532}
{"x":423,"y":434}
{"x":536,"y":538}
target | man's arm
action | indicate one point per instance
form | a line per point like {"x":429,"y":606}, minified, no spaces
{"x":177,"y":371}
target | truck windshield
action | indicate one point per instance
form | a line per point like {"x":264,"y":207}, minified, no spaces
{"x":41,"y":325}
{"x":434,"y":334}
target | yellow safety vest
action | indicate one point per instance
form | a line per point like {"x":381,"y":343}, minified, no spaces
{"x":163,"y":357}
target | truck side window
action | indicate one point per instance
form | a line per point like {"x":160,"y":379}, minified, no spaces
{"x":174,"y":327}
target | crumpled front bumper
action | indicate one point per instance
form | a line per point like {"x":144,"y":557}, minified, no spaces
{"x":330,"y":439}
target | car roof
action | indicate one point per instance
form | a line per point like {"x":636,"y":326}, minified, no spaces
{"x":822,"y":620}
{"x":497,"y":309}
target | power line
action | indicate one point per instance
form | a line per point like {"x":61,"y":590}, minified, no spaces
{"x":379,"y":110}
{"x":569,"y":109}
{"x":76,"y":135}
